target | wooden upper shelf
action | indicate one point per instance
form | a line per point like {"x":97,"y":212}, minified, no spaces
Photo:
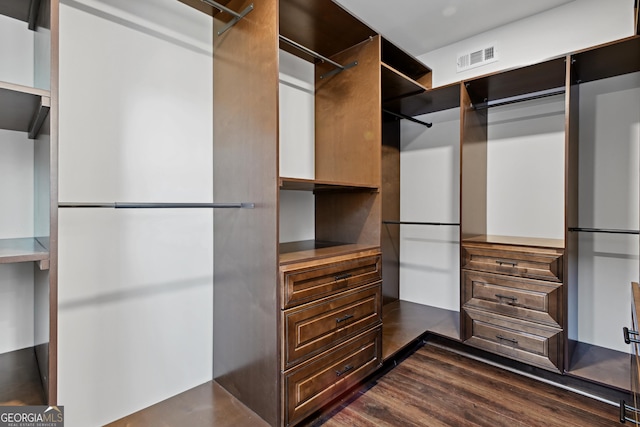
{"x":317,"y":186}
{"x":21,"y":105}
{"x":321,"y":25}
{"x":442,"y":98}
{"x":608,"y":60}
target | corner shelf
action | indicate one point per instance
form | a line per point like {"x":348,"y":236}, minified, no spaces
{"x":429,"y":101}
{"x":397,"y":85}
{"x":600,"y":365}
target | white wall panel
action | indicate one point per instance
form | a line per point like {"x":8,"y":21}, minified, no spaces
{"x":135,"y":111}
{"x":16,"y":306}
{"x":135,"y":309}
{"x":135,"y":286}
{"x":16,"y":184}
{"x":429,"y":192}
{"x":608,"y":198}
{"x":19,"y":70}
{"x":525,"y":169}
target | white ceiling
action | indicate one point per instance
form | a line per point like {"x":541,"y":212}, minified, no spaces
{"x":420,"y":26}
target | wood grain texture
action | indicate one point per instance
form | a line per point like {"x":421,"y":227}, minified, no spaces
{"x":203,"y":406}
{"x":435,"y":387}
{"x":397,"y":58}
{"x":441,"y":98}
{"x":473,"y":168}
{"x":390,"y":235}
{"x":350,"y":218}
{"x":607,"y":60}
{"x":404,"y":322}
{"x":348,"y":120}
{"x":245,"y":167}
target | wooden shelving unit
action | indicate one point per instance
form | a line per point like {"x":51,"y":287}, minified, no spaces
{"x":28,"y":376}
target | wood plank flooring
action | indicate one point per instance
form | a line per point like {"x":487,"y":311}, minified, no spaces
{"x":436,"y":387}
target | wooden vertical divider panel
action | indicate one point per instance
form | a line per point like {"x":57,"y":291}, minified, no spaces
{"x":348,"y":141}
{"x":245,"y":168}
{"x":390,"y":238}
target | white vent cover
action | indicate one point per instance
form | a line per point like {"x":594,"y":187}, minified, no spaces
{"x":477,"y":57}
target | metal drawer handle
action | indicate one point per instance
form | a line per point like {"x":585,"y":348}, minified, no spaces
{"x":344,"y":371}
{"x":511,"y":340}
{"x":344,"y":318}
{"x":502,"y":262}
{"x":626,"y":332}
{"x":512,"y":299}
{"x":343,"y":276}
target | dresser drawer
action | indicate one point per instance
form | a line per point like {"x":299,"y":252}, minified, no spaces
{"x":315,"y":383}
{"x":312,"y":328}
{"x":528,"y":342}
{"x":529,"y":262}
{"x":526,"y":299}
{"x":308,"y":281}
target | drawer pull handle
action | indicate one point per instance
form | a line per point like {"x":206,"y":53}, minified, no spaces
{"x":344,"y":371}
{"x":344,"y":318}
{"x":343,"y":276}
{"x":502,"y":262}
{"x":512,"y":299}
{"x":511,"y":340}
{"x":626,"y":332}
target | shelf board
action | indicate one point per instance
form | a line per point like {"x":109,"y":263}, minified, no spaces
{"x":299,"y":184}
{"x":517,"y":82}
{"x":20,"y":382}
{"x":307,"y":250}
{"x":398,"y":59}
{"x":518,"y":241}
{"x":313,"y":24}
{"x":17,"y":9}
{"x":19,"y":105}
{"x":397,"y":85}
{"x":22,"y":250}
{"x":601,"y":366}
{"x":608,"y":60}
{"x":429,"y":101}
{"x":403,"y":322}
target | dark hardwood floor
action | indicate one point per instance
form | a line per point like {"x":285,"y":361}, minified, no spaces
{"x":432,"y":387}
{"x":436,"y":387}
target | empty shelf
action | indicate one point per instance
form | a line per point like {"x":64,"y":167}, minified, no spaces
{"x":22,"y":250}
{"x":20,"y":106}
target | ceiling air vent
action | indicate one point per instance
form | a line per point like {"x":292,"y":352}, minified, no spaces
{"x":477,"y":58}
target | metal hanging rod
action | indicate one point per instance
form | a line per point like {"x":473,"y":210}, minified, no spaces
{"x":118,"y":205}
{"x":404,"y":116}
{"x":236,"y":16}
{"x":603,"y":230}
{"x":516,"y":99}
{"x":453,"y":224}
{"x":339,"y":67}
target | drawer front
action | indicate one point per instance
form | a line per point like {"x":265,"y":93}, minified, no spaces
{"x":310,"y":386}
{"x":312,"y":328}
{"x":533,"y":263}
{"x":308,"y":282}
{"x":526,"y":299}
{"x":524,"y":341}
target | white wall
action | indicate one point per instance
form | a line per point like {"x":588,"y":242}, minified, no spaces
{"x":18,"y":70}
{"x":429,"y":192}
{"x":297,"y":146}
{"x":135,"y":286}
{"x":573,"y":26}
{"x":525,"y":169}
{"x":608,"y":198}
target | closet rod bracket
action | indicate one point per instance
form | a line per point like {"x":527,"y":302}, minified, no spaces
{"x":338,"y":70}
{"x":236,"y":16}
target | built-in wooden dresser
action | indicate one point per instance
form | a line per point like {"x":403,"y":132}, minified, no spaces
{"x":512,"y":301}
{"x":331,"y":324}
{"x":629,"y":411}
